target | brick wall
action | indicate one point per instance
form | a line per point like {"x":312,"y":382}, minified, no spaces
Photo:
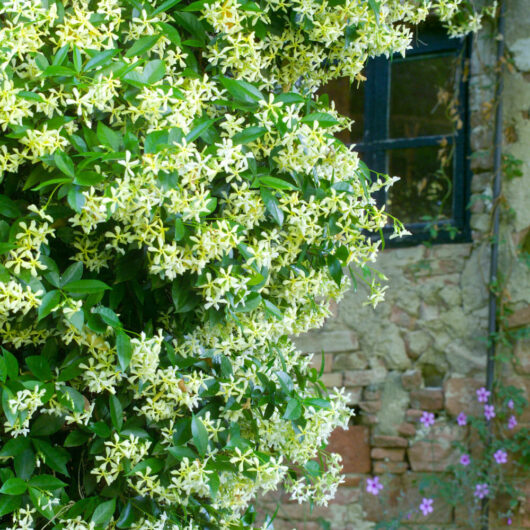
{"x":424,"y":348}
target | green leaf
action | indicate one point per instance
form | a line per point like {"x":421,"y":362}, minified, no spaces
{"x":85,"y":287}
{"x":40,"y":502}
{"x":124,"y":348}
{"x":39,"y":367}
{"x":100,"y":59}
{"x":335,"y":269}
{"x":54,"y":457}
{"x":72,"y":399}
{"x":72,"y":273}
{"x":184,"y":299}
{"x":276,"y":183}
{"x":64,"y":163}
{"x":9,"y":503}
{"x":323,"y":118}
{"x":108,"y":137}
{"x":7,"y":395}
{"x":181,"y":452}
{"x":241,"y":90}
{"x":272,"y":309}
{"x":318,"y":403}
{"x":76,"y":438}
{"x":375,"y":7}
{"x":272,"y":205}
{"x":46,"y":482}
{"x":103,"y":513}
{"x":191,"y":24}
{"x":165,"y":6}
{"x":116,"y":413}
{"x":153,"y":71}
{"x":49,"y":302}
{"x":14,"y":486}
{"x":11,"y":364}
{"x":8,"y":208}
{"x":248,"y":135}
{"x":251,"y":302}
{"x":199,"y":129}
{"x":108,"y":316}
{"x":199,"y":434}
{"x":142,"y":45}
{"x":293,"y":410}
{"x":50,"y":182}
{"x":214,"y":483}
{"x":59,"y":71}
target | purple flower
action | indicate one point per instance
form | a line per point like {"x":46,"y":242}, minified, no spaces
{"x":483,"y":395}
{"x":501,"y":456}
{"x":461,"y":419}
{"x":512,"y":422}
{"x":373,"y":486}
{"x":465,"y":460}
{"x":509,"y":521}
{"x":489,"y":412}
{"x":510,"y":404}
{"x":426,"y":506}
{"x":427,"y":418}
{"x":481,"y":491}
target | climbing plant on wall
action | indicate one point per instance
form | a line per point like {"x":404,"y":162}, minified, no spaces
{"x":173,"y":206}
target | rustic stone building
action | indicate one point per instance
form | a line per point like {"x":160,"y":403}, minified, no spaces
{"x":424,"y":348}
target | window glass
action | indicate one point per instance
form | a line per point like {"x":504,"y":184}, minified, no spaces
{"x":424,"y":189}
{"x":349,"y":101}
{"x":419,"y":96}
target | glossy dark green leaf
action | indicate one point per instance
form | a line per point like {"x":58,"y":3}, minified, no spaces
{"x":64,"y":163}
{"x":39,"y":366}
{"x":85,"y":287}
{"x":14,"y":486}
{"x":272,"y":205}
{"x":46,"y":482}
{"x":168,"y":4}
{"x":108,"y":316}
{"x":184,"y":299}
{"x":108,"y":137}
{"x":8,"y":207}
{"x":116,"y":412}
{"x":11,"y":364}
{"x":124,"y":349}
{"x":276,"y":183}
{"x":241,"y":90}
{"x":9,"y":503}
{"x":199,"y":435}
{"x":199,"y":129}
{"x":24,"y":464}
{"x":103,"y":513}
{"x":271,"y":309}
{"x":191,"y":24}
{"x":142,"y":45}
{"x":54,"y":457}
{"x":49,"y":302}
{"x":248,"y":135}
{"x":293,"y":410}
{"x":323,"y":118}
{"x":76,"y":438}
{"x":153,"y":71}
{"x":100,"y":59}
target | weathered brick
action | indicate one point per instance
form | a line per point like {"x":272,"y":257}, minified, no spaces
{"x":355,"y":394}
{"x":370,"y":407}
{"x":350,"y":361}
{"x":327,"y":341}
{"x":396,"y":468}
{"x":364,"y":377}
{"x":406,"y":429}
{"x":522,"y":356}
{"x":427,"y":399}
{"x":520,"y":317}
{"x":375,"y":505}
{"x":460,"y":395}
{"x":354,"y":447}
{"x":316,"y":362}
{"x":372,"y":393}
{"x":369,"y":419}
{"x":394,"y":455}
{"x":413,"y":415}
{"x":380,"y":440}
{"x":332,"y":379}
{"x":411,"y":379}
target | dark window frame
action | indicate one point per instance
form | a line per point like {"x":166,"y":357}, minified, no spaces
{"x":375,"y":141}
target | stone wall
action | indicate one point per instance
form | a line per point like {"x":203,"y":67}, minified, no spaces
{"x":424,"y":348}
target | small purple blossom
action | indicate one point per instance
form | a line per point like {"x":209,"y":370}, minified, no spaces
{"x":481,"y":491}
{"x":427,"y":418}
{"x":510,"y":404}
{"x":483,"y":395}
{"x":489,"y":412}
{"x":501,"y":456}
{"x":373,"y":486}
{"x":426,"y":506}
{"x":461,"y":419}
{"x":512,"y":422}
{"x":465,"y":460}
{"x":509,"y":521}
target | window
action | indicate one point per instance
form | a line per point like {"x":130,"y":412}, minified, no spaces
{"x":410,"y":121}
